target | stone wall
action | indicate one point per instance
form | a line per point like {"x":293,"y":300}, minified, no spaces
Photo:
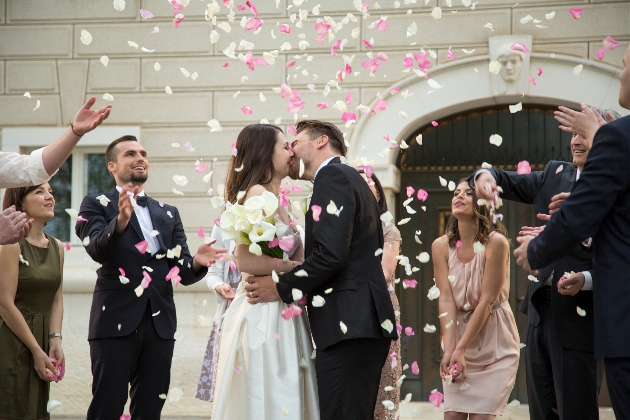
{"x":40,"y":52}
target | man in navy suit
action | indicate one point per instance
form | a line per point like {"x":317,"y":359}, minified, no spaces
{"x":599,"y":208}
{"x":141,"y":246}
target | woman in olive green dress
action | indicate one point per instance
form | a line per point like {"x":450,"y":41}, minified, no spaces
{"x":31,"y":310}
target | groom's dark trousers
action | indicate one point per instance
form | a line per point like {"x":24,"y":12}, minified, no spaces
{"x":132,"y":337}
{"x":342,"y":268}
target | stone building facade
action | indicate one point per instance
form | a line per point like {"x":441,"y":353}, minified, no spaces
{"x":41,"y":53}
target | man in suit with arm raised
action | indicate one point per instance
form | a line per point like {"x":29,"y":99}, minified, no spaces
{"x":355,"y":326}
{"x":562,"y":376}
{"x":141,"y":246}
{"x":599,"y":207}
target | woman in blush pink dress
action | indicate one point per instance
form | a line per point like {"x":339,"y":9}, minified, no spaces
{"x":481,"y":343}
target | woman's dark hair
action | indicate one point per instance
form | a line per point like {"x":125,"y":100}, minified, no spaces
{"x":255,"y":146}
{"x":484,"y":225}
{"x":382,"y":202}
{"x":14,"y":196}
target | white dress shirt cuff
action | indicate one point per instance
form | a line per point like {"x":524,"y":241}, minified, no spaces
{"x":588,"y":280}
{"x":36,"y":168}
{"x":479,"y":172}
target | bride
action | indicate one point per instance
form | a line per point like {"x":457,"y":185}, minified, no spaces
{"x":265,"y":369}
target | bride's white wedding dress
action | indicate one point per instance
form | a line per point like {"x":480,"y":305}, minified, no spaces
{"x":259,"y":376}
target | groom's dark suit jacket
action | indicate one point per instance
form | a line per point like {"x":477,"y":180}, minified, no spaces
{"x":599,"y":207}
{"x":537,"y":188}
{"x":116,"y":310}
{"x":339,"y":254}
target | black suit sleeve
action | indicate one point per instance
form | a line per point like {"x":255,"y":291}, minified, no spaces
{"x":521,"y":188}
{"x":604,"y":179}
{"x":103,"y":235}
{"x":331,"y":236}
{"x":179,"y":238}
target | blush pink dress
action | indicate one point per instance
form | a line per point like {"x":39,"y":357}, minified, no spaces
{"x":492,"y":357}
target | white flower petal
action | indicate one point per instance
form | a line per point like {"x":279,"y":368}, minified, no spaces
{"x":429,"y":329}
{"x":318,"y":301}
{"x":157,"y":66}
{"x":496,"y":140}
{"x":86,"y":37}
{"x":119,"y":5}
{"x":343,"y":327}
{"x":301,"y":273}
{"x":105,"y":60}
{"x":108,"y":97}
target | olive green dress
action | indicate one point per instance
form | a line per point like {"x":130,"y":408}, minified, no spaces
{"x":23,"y":395}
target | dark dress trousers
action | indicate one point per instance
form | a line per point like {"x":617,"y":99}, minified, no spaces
{"x":561,"y":368}
{"x":343,"y":269}
{"x":599,"y":207}
{"x":132,"y":338}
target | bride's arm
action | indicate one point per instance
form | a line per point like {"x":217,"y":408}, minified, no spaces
{"x":260,"y":265}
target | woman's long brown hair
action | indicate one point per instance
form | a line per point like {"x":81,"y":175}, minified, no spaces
{"x":255,"y":147}
{"x":483,"y":223}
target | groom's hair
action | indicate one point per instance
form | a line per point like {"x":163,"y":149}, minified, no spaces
{"x":318,"y":128}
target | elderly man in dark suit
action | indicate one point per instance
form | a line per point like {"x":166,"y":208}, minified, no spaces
{"x":142,"y":247}
{"x":599,"y":207}
{"x":561,"y":369}
{"x":354,"y":329}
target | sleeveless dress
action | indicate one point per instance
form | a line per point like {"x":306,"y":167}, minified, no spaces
{"x":23,"y":395}
{"x":265,"y":370}
{"x":392,"y":370}
{"x":492,"y":357}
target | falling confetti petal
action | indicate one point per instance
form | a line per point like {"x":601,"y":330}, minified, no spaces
{"x":343,"y":327}
{"x":108,"y":97}
{"x":436,"y":398}
{"x":578,"y":69}
{"x":51,"y":405}
{"x":496,"y":140}
{"x":516,"y":108}
{"x":168,"y":90}
{"x":37,"y":105}
{"x":580,"y":311}
{"x":86,"y":37}
{"x":494,"y":67}
{"x":105,"y":60}
{"x":576,"y":12}
{"x":429,"y":329}
{"x":436,"y":13}
{"x":146,"y":14}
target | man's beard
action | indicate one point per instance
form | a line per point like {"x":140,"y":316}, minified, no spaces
{"x":294,"y":169}
{"x":133,"y":178}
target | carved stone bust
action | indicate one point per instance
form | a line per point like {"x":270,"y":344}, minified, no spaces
{"x":512,"y":77}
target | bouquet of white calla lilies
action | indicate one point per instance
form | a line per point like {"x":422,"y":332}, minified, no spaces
{"x":254,"y":223}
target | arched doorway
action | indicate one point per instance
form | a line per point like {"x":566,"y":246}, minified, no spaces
{"x":452,"y":150}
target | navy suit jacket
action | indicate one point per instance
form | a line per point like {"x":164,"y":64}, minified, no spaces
{"x":537,"y":188}
{"x":339,"y":253}
{"x":116,"y":310}
{"x":599,"y":207}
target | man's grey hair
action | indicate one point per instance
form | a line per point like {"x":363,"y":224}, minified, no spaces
{"x":603,"y":112}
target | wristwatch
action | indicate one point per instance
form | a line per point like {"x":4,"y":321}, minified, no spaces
{"x":53,"y":335}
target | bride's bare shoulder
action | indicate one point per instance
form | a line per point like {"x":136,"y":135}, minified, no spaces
{"x":255,"y":191}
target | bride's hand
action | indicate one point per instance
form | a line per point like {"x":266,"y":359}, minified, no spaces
{"x":225,"y":291}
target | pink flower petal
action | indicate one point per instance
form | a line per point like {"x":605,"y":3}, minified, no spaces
{"x":399,"y":328}
{"x":382,"y":56}
{"x":146,"y":14}
{"x":292,"y":130}
{"x":252,"y":7}
{"x":292,"y":311}
{"x":81,"y":219}
{"x":369,"y":171}
{"x":296,"y":188}
{"x":414,"y":368}
{"x":246,"y":110}
{"x":609,"y":43}
{"x":434,"y":123}
{"x":408,"y":62}
{"x":285,"y":29}
{"x":253,"y":23}
{"x":600,"y":54}
{"x":519,"y":46}
{"x":523,"y":168}
{"x":459,"y":244}
{"x":240,"y":8}
{"x":410,"y":192}
{"x":227,"y":64}
{"x":349,"y":98}
{"x":322,"y":105}
{"x":409,"y":331}
{"x":155,"y":30}
{"x":286,"y":243}
{"x":395,"y":90}
{"x":436,"y":398}
{"x":423,"y":61}
{"x":450,"y":54}
{"x":295,"y":106}
{"x":410,"y":283}
{"x":201,"y":167}
{"x":189,"y":147}
{"x":560,"y":168}
{"x":317,"y":210}
{"x":238,"y":369}
{"x":380,"y":105}
{"x":532,"y":80}
{"x":122,"y":272}
{"x":68,"y":247}
{"x":576,"y":12}
{"x":146,"y":279}
{"x":142,"y":246}
{"x":285,"y":90}
{"x":273,"y":243}
{"x":539,"y":71}
{"x":386,"y":137}
{"x":176,"y":5}
{"x":348,"y":116}
{"x":178,"y":19}
{"x":200,"y":232}
{"x":422,"y":195}
{"x":381,"y":25}
{"x":125,"y":417}
{"x":366,"y":43}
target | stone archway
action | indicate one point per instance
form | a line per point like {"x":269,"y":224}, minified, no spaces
{"x":467,"y":84}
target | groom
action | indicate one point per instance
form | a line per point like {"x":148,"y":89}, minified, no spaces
{"x":354,"y":328}
{"x":143,"y":251}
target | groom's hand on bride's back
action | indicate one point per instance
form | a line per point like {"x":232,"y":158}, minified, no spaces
{"x":261,"y":289}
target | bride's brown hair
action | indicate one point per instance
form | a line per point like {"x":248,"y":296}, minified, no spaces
{"x":483,"y":223}
{"x":255,"y":146}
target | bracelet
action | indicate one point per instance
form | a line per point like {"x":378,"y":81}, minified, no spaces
{"x":53,"y":335}
{"x":75,"y":133}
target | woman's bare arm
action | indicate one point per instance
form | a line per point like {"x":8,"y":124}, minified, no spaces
{"x":446,"y":303}
{"x":388,"y":259}
{"x":56,"y":313}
